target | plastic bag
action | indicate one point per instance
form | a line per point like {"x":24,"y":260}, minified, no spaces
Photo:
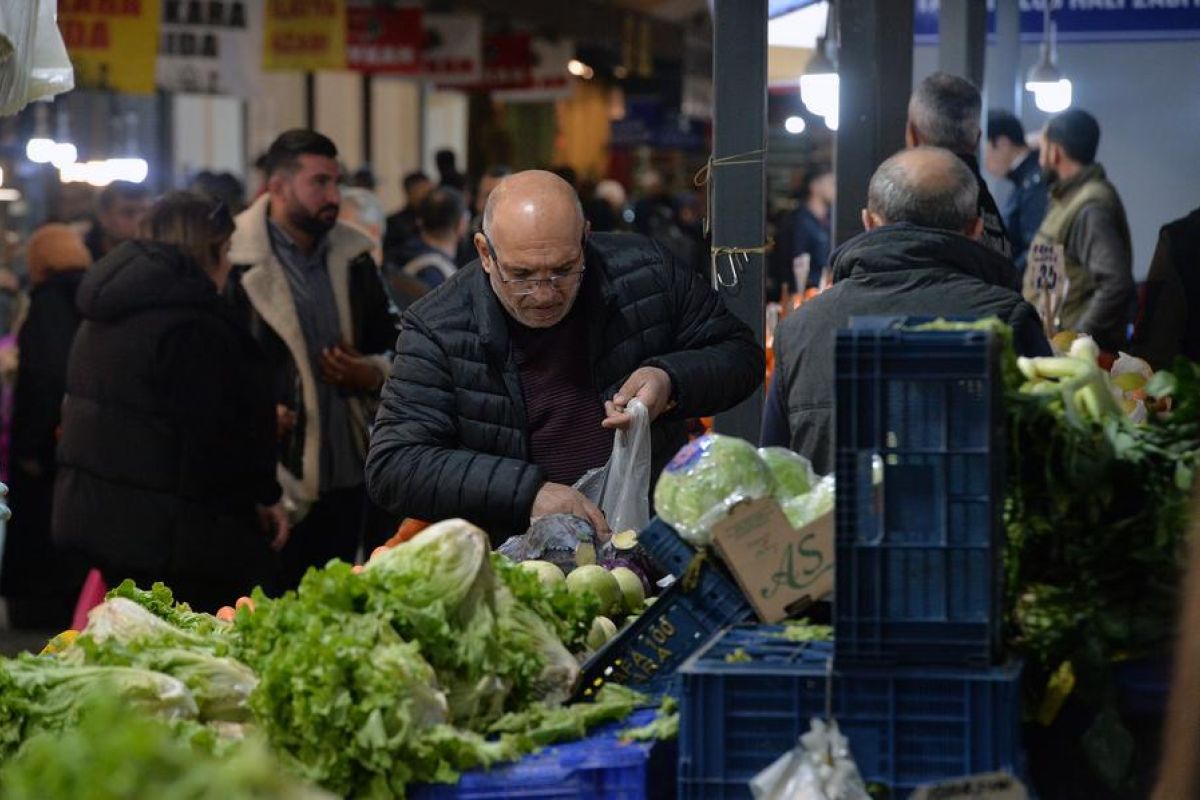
{"x":707,"y":478}
{"x":793,"y":473}
{"x":621,"y":488}
{"x":33,"y":58}
{"x":806,"y":508}
{"x":819,"y":768}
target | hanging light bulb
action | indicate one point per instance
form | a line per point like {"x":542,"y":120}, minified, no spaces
{"x":819,"y":84}
{"x":1051,"y":90}
{"x":40,"y":147}
{"x":794,"y":125}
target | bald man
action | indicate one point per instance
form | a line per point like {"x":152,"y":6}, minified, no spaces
{"x":920,"y":256}
{"x":511,"y":377}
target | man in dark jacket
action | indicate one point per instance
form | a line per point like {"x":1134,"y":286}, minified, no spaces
{"x":1169,"y":323}
{"x":919,"y":256}
{"x":510,"y":378}
{"x":1007,"y":156}
{"x":402,"y":226}
{"x":944,"y":112}
{"x":315,"y":301}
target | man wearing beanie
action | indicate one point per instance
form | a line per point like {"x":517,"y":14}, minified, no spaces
{"x":40,"y":583}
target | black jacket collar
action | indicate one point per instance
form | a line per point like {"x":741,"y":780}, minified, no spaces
{"x":896,"y":248}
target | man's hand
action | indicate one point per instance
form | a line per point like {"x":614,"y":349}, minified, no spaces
{"x":274,"y":520}
{"x":285,"y":421}
{"x":343,"y":366}
{"x":554,"y":498}
{"x":651,"y":385}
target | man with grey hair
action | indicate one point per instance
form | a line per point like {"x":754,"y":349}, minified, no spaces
{"x":920,"y":256}
{"x":944,"y":111}
{"x":511,"y":377}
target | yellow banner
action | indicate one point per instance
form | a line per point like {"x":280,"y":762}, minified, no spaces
{"x":113,"y":44}
{"x":304,"y":35}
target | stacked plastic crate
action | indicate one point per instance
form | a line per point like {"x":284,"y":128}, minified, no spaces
{"x":917,"y":680}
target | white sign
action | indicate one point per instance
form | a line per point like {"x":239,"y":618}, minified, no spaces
{"x":211,"y":47}
{"x":548,"y":76}
{"x":991,"y":786}
{"x":1049,"y":265}
{"x":453,"y":54}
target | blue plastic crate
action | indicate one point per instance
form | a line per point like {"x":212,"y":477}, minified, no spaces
{"x":906,"y":725}
{"x":596,"y":768}
{"x":646,"y":655}
{"x":919,"y":564}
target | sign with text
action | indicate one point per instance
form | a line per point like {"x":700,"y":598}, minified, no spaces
{"x":1049,"y":266}
{"x":385,"y":41}
{"x":991,"y":786}
{"x":452,"y":53}
{"x":781,"y":569}
{"x":1084,"y":20}
{"x":113,"y":44}
{"x":210,"y":47}
{"x":304,"y":35}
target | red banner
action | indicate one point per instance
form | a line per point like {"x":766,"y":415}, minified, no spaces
{"x":384,"y":41}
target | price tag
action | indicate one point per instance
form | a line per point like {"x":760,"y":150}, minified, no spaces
{"x":781,"y":569}
{"x":990,"y":786}
{"x":1049,"y":265}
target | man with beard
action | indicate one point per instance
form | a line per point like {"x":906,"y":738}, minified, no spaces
{"x":313,"y":298}
{"x":1087,"y":218}
{"x":511,"y":377}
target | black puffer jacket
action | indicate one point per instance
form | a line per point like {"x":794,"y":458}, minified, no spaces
{"x":895,"y":270}
{"x":451,"y":437}
{"x":168,"y":425}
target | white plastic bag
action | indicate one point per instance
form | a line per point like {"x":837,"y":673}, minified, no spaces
{"x":621,"y":488}
{"x":33,"y":58}
{"x":820,"y":767}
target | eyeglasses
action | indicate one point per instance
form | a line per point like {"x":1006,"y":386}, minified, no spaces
{"x":521,"y":287}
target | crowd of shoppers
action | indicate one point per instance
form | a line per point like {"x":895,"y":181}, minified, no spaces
{"x":207,"y":388}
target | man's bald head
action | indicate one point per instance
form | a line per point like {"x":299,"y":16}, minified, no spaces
{"x":926,"y":186}
{"x":532,"y":202}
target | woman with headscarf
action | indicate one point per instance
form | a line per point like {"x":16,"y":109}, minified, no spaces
{"x":39,"y":582}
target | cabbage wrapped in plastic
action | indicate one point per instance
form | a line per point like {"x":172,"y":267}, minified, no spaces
{"x":808,"y":508}
{"x":705,"y":480}
{"x":564,"y":540}
{"x":793,"y":472}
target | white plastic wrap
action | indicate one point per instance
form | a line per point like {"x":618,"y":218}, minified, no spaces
{"x":33,"y":58}
{"x":707,"y":478}
{"x":819,"y":768}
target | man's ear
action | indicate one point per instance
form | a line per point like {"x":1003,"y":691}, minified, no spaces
{"x":974,"y":229}
{"x":481,"y":247}
{"x":871,"y":220}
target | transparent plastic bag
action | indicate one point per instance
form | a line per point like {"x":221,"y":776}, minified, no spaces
{"x":565,"y":540}
{"x":33,"y":58}
{"x":707,"y":478}
{"x":625,"y":499}
{"x":820,"y":767}
{"x":807,"y":508}
{"x":793,"y":473}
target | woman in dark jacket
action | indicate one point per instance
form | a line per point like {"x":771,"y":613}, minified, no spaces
{"x":167,"y":458}
{"x":40,"y":583}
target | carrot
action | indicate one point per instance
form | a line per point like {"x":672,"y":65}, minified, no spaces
{"x":357,"y":569}
{"x":378,"y":551}
{"x":226,"y":613}
{"x":407,"y":530}
{"x":246,"y":602}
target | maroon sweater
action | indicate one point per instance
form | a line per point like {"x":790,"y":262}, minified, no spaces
{"x":561,"y":404}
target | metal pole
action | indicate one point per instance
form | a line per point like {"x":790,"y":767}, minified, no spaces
{"x":310,"y":100}
{"x":368,"y":119}
{"x":739,"y":189}
{"x":1005,"y":87}
{"x":875,"y":65}
{"x":962,"y":38}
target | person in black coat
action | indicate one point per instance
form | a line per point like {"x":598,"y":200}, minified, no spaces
{"x":167,"y":457}
{"x":920,"y":256}
{"x":40,"y":583}
{"x":510,"y":377}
